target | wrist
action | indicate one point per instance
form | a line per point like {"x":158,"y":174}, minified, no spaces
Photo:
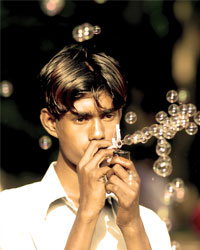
{"x":87,"y":215}
{"x":133,"y":227}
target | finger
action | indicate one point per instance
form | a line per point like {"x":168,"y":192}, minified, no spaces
{"x":99,"y":157}
{"x":100,"y":174}
{"x":119,"y":188}
{"x":127,"y":175}
{"x":92,"y":149}
{"x":122,"y":189}
{"x":126,"y":163}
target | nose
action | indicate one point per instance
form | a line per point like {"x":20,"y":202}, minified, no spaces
{"x":96,"y":130}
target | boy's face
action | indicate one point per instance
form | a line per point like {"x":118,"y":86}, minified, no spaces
{"x":75,"y":130}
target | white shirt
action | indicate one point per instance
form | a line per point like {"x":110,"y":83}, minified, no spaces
{"x":40,"y":216}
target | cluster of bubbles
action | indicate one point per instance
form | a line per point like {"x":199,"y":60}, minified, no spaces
{"x":85,"y":32}
{"x":180,"y":116}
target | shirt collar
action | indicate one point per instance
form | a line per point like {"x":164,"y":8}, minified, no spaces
{"x":53,"y":190}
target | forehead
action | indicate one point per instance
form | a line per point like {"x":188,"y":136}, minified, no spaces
{"x":87,"y":103}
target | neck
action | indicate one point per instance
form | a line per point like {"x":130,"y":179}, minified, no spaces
{"x":68,"y":177}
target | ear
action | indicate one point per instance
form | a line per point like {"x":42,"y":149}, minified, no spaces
{"x":48,"y":121}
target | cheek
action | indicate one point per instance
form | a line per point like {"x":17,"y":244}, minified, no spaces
{"x":74,"y":145}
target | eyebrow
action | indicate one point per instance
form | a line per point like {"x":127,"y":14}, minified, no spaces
{"x":102,"y":112}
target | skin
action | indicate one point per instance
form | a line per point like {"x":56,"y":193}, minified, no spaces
{"x":84,"y":137}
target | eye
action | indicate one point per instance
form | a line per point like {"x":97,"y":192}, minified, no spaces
{"x":82,"y":119}
{"x":109,"y":116}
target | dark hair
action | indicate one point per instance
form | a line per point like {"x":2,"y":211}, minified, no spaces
{"x":75,"y":71}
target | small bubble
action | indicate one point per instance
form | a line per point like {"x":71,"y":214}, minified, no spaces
{"x":172,"y":96}
{"x":169,"y":193}
{"x":191,"y":109}
{"x":176,"y":123}
{"x":127,"y":140}
{"x":191,"y":129}
{"x":178,"y":182}
{"x":183,"y":109}
{"x":197,"y":118}
{"x":184,"y":120}
{"x":163,"y":166}
{"x":183,"y":96}
{"x":97,"y":30}
{"x":163,"y":149}
{"x":137,"y":137}
{"x":147,"y":132}
{"x":52,"y":7}
{"x":45,"y":142}
{"x":161,"y":116}
{"x":173,"y":109}
{"x":6,"y":88}
{"x":154,"y":129}
{"x":130,"y":117}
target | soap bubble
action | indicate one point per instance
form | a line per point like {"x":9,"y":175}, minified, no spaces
{"x":144,"y":138}
{"x":180,"y":190}
{"x":183,"y":109}
{"x":191,"y":129}
{"x":137,"y":137}
{"x":169,"y":132}
{"x":184,"y":120}
{"x":183,"y":96}
{"x":159,"y":133}
{"x":130,"y":117}
{"x":173,"y":109}
{"x":172,"y":96}
{"x":161,"y":141}
{"x":169,"y":193}
{"x":161,"y":116}
{"x":176,"y":123}
{"x":147,"y":132}
{"x":163,"y":149}
{"x":197,"y":118}
{"x":154,"y":129}
{"x":163,"y":166}
{"x":52,"y":7}
{"x":127,"y":140}
{"x":175,"y":245}
{"x":191,"y":109}
{"x":97,"y":30}
{"x":83,"y":32}
{"x":178,"y":182}
{"x":45,"y":142}
{"x":6,"y":88}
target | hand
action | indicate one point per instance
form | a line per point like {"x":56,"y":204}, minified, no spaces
{"x":126,"y":189}
{"x":91,"y":178}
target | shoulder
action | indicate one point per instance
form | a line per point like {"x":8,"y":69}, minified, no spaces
{"x":17,"y":200}
{"x":19,"y":192}
{"x":154,"y":226}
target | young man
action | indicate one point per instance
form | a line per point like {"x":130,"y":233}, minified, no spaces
{"x":84,"y":94}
